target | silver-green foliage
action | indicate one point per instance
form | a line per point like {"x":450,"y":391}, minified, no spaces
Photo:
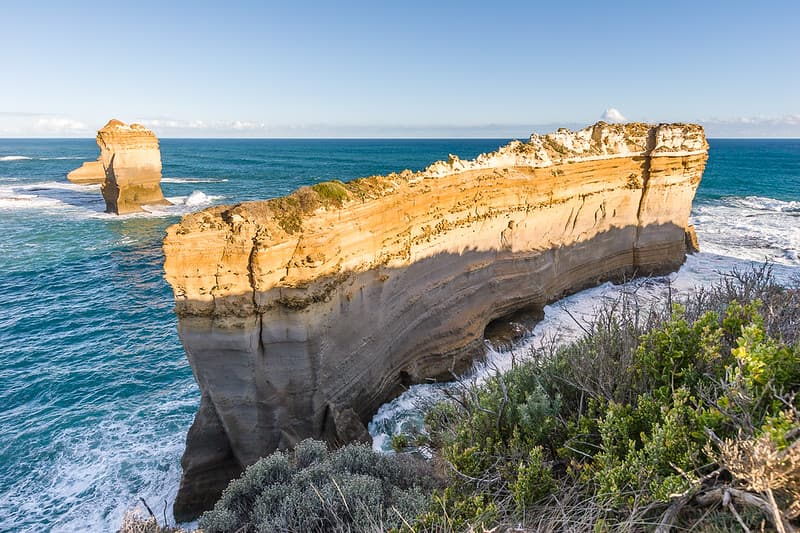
{"x":312,"y":489}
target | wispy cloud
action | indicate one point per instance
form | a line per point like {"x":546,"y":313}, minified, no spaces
{"x":59,"y":125}
{"x":210,"y":126}
{"x":239,"y":125}
{"x":753,"y":126}
{"x":173,"y":124}
{"x":20,"y":124}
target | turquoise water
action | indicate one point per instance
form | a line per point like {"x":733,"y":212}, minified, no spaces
{"x":95,"y":390}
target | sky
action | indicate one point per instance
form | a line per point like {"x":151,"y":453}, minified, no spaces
{"x":397,"y":69}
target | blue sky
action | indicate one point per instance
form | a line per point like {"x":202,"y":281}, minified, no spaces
{"x":396,"y":69}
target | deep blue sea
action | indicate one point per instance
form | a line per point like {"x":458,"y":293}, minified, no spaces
{"x":96,"y":395}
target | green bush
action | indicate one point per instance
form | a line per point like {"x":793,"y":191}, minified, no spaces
{"x":632,"y":416}
{"x":331,"y":191}
{"x":312,"y":489}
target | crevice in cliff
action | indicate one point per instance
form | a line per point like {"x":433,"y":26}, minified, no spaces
{"x":252,"y":278}
{"x":646,"y":164}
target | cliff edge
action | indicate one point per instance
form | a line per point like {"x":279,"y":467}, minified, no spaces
{"x":301,"y":315}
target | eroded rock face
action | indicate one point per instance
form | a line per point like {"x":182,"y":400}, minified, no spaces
{"x":89,"y":173}
{"x":301,"y":315}
{"x":132,"y":162}
{"x":128,"y":169}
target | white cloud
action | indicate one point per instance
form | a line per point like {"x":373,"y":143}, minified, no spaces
{"x":59,"y":125}
{"x":753,"y":126}
{"x":785,"y":120}
{"x":246,"y":125}
{"x":23,"y":124}
{"x":613,"y":115}
{"x":172,"y":125}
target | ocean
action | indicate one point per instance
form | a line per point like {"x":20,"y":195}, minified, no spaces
{"x":96,"y":394}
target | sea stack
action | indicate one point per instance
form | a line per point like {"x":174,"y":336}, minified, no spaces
{"x":301,"y":315}
{"x":131,"y":164}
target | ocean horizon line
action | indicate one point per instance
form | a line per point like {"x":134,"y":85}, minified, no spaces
{"x":162,"y":137}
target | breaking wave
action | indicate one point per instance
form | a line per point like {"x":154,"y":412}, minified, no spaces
{"x":193,"y":180}
{"x":759,"y":203}
{"x":85,"y":201}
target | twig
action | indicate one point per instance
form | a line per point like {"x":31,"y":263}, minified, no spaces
{"x":409,"y":526}
{"x":504,"y":405}
{"x":148,"y":509}
{"x":577,"y":322}
{"x":779,"y":525}
{"x":738,"y":518}
{"x":669,"y":516}
{"x":746,"y":498}
{"x":344,"y":500}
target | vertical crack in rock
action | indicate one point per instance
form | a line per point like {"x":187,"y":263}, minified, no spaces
{"x":649,"y":147}
{"x":327,"y":302}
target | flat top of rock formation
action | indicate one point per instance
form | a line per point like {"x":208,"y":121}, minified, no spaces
{"x":599,"y":141}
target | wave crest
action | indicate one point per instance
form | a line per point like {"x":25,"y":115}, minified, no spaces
{"x":193,"y":180}
{"x":761,"y":203}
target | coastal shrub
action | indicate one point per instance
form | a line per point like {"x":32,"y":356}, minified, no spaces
{"x":661,"y":412}
{"x":331,"y":191}
{"x":313,"y":489}
{"x":289,"y":211}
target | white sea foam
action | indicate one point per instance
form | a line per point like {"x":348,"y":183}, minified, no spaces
{"x":193,"y":180}
{"x":750,"y":228}
{"x":27,"y":158}
{"x":180,"y":205}
{"x":48,"y":196}
{"x":761,"y":203}
{"x":198,"y":198}
{"x":85,"y":201}
{"x":99,"y":474}
{"x":560,"y":323}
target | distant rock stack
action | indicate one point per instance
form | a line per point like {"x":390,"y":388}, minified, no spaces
{"x":130,"y":161}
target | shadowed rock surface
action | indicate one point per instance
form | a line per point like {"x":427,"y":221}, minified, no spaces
{"x":301,"y":315}
{"x":128,"y":169}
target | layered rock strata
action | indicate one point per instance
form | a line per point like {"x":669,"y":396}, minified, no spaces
{"x":130,"y":159}
{"x":301,"y":315}
{"x":89,"y":173}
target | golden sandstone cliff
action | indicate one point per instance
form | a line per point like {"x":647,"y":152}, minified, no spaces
{"x":128,"y":169}
{"x":301,"y":315}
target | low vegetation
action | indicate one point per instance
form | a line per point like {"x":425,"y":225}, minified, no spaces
{"x":669,"y":414}
{"x":312,"y":489}
{"x":663,"y":416}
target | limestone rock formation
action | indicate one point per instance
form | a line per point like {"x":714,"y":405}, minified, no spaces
{"x":89,"y":173}
{"x":301,"y":315}
{"x":130,"y":161}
